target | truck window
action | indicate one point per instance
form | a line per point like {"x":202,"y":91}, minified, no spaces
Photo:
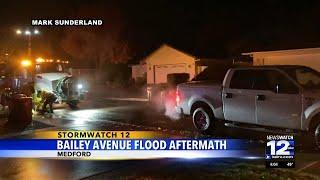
{"x":274,"y":81}
{"x":242,"y":79}
{"x":306,"y":77}
{"x":49,"y":67}
{"x":261,"y":81}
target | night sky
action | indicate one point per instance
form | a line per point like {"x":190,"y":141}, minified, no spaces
{"x":211,"y":29}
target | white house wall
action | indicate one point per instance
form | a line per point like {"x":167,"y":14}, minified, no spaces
{"x":167,"y":56}
{"x":310,"y":60}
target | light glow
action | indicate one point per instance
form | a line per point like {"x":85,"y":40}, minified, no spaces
{"x":18,"y":31}
{"x":79,"y":86}
{"x":26,"y":63}
{"x":177,"y":97}
{"x":39,"y":60}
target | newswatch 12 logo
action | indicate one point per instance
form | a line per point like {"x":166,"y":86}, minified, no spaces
{"x":280,"y":151}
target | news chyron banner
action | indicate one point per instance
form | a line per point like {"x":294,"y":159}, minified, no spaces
{"x":119,"y":145}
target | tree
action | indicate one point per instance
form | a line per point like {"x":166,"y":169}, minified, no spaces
{"x":103,"y":44}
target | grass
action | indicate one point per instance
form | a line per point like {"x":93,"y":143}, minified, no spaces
{"x":238,"y":172}
{"x":252,"y":172}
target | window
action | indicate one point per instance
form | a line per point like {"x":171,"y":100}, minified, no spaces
{"x":269,"y":80}
{"x":274,"y":81}
{"x":242,"y":79}
{"x":281,"y":83}
{"x":261,"y":81}
{"x":306,"y":77}
{"x":49,"y":67}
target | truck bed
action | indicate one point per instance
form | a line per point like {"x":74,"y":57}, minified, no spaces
{"x":200,"y":91}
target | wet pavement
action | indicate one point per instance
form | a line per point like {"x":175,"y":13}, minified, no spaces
{"x":129,"y":114}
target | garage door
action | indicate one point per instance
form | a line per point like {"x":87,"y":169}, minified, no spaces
{"x":161,"y":71}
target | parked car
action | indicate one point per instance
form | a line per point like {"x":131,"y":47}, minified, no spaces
{"x":283,"y":97}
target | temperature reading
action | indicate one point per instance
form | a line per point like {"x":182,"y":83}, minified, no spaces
{"x":289,"y":164}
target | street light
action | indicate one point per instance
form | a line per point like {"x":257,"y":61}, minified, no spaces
{"x":18,"y":31}
{"x":39,"y":60}
{"x":26,"y":63}
{"x":28,"y":33}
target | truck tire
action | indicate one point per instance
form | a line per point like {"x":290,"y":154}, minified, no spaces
{"x":317,"y":136}
{"x":203,"y":119}
{"x":314,"y":133}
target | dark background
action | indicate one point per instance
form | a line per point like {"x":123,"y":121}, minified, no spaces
{"x":133,"y":28}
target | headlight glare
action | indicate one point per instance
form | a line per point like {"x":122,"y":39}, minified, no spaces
{"x":79,"y":86}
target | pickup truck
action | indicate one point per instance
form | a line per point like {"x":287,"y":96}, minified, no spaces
{"x":274,"y":98}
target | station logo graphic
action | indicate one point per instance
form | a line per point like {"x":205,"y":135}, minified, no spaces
{"x":280,"y":151}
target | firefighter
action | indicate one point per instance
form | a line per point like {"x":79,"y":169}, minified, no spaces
{"x":36,"y":99}
{"x":48,"y":98}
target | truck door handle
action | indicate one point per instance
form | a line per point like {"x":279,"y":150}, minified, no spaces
{"x":228,"y":95}
{"x":261,"y":97}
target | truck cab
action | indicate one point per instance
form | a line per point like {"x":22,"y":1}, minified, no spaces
{"x":279,"y":96}
{"x":274,"y":97}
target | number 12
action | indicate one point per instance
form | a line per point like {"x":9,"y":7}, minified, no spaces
{"x":282,"y":151}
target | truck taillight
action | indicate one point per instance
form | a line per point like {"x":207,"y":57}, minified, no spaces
{"x":178,"y":98}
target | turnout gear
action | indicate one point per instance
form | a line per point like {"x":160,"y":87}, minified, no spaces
{"x":48,"y":99}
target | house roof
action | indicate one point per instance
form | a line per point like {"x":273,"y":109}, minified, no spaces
{"x":184,"y":52}
{"x":163,"y":46}
{"x":285,"y":52}
{"x":197,"y":58}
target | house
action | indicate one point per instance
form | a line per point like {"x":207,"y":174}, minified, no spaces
{"x":166,"y":60}
{"x":308,"y":57}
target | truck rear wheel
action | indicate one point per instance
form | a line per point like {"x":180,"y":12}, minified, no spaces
{"x":203,"y":119}
{"x":316,"y":132}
